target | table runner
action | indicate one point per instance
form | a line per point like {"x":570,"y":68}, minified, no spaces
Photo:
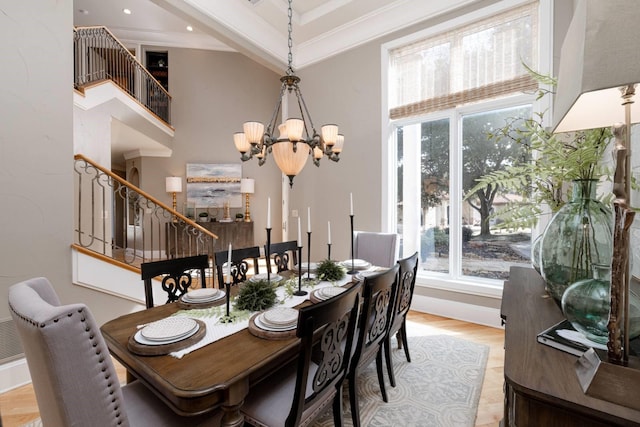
{"x":216,"y":330}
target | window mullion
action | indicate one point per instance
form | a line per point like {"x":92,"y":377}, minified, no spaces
{"x":455,"y":209}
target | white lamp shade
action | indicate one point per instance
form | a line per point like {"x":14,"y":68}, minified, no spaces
{"x":329,"y":134}
{"x":337,"y":147}
{"x":282,"y":128}
{"x":247,"y":185}
{"x":290,"y":163}
{"x":600,"y":54}
{"x":261,"y":154}
{"x":173,"y":184}
{"x":241,"y":142}
{"x":295,"y":127}
{"x":317,"y":153}
{"x":254,"y":131}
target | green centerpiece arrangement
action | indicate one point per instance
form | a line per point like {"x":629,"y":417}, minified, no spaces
{"x":256,"y":296}
{"x":330,"y":271}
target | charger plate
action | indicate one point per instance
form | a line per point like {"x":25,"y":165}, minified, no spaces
{"x":158,"y":350}
{"x":269,"y":335}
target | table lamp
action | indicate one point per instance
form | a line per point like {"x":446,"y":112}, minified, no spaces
{"x":247,"y":187}
{"x":173,"y":185}
{"x":599,"y":68}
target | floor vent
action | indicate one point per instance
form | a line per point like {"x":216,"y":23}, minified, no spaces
{"x":11,"y":347}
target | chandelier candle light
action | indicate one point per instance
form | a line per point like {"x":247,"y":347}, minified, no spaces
{"x":297,"y":139}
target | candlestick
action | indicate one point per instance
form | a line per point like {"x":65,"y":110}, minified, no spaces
{"x":229,"y":264}
{"x":329,"y":251}
{"x":269,"y":213}
{"x":268,"y":254}
{"x":351,"y":204}
{"x":308,"y":255}
{"x":299,"y":292}
{"x":353,"y":268}
{"x":299,"y":234}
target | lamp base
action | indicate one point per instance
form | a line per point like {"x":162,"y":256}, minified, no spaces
{"x":300,"y":293}
{"x":609,"y":381}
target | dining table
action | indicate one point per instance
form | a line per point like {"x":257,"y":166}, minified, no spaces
{"x":218,"y":372}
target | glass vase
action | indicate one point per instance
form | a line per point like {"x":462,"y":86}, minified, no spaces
{"x":578,"y":236}
{"x":587,"y":302}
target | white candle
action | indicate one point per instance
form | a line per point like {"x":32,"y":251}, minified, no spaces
{"x":351,"y":203}
{"x":269,"y":212}
{"x":299,"y":234}
{"x":229,"y":265}
{"x":329,"y":232}
{"x":309,"y":219}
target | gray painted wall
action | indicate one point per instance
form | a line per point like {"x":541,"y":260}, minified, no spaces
{"x":213,"y":94}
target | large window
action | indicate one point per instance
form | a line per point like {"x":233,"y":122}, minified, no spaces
{"x":447,"y":94}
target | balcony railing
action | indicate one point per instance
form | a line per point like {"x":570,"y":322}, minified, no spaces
{"x":119,"y":221}
{"x":98,"y":56}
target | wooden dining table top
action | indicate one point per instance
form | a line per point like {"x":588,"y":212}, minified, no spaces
{"x":217,"y":375}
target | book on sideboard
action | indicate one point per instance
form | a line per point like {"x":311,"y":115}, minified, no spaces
{"x":558,"y":336}
{"x":553,"y":338}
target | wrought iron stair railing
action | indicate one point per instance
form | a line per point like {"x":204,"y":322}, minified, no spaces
{"x":99,"y":56}
{"x":120,"y":222}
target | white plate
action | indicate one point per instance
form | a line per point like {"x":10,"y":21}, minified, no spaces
{"x":362,"y":274}
{"x":328,"y":292}
{"x":263,"y":276}
{"x":312,"y":267}
{"x":221,"y":294}
{"x":169,"y":329}
{"x":260,"y":323}
{"x":280,"y":316}
{"x":142,"y":340}
{"x":202,"y":294}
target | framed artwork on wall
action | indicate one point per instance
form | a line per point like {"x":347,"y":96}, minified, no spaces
{"x":211,"y":185}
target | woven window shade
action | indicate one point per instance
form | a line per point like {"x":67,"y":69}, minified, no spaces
{"x":479,"y":61}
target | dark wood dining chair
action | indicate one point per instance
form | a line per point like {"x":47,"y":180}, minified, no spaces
{"x":378,"y":297}
{"x":314,"y":379}
{"x":177,"y":276}
{"x":239,"y":264}
{"x":404,"y":294}
{"x":73,"y":376}
{"x":284,"y":255}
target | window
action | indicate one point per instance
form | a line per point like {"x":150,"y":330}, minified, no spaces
{"x":446,"y":93}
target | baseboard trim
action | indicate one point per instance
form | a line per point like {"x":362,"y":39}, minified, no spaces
{"x":480,"y":315}
{"x":14,"y":374}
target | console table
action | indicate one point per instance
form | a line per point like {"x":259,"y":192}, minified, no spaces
{"x":541,"y":386}
{"x":238,"y":233}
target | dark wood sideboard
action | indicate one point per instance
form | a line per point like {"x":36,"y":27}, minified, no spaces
{"x":238,"y":233}
{"x":541,"y":385}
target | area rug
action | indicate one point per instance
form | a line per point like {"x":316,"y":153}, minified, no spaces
{"x":440,"y":387}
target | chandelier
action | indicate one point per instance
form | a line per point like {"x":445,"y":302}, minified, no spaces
{"x":297,"y":139}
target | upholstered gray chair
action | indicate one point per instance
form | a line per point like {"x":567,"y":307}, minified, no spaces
{"x":380,"y":249}
{"x":73,"y":376}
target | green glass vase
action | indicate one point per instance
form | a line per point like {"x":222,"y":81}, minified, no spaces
{"x":586,"y":304}
{"x":578,"y":236}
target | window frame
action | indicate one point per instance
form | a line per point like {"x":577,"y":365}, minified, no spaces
{"x":452,"y":281}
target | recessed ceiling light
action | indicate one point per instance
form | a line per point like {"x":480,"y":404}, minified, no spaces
{"x":83,"y":11}
{"x":126,"y":11}
{"x":189,"y":28}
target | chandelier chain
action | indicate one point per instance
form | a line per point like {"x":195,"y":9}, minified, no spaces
{"x":290,"y":39}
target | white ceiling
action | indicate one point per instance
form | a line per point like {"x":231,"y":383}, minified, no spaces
{"x":258,"y":28}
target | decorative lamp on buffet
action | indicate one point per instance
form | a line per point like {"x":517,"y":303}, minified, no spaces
{"x":247,"y":186}
{"x":598,"y":73}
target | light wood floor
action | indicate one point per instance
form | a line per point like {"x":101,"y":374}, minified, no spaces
{"x":19,"y":406}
